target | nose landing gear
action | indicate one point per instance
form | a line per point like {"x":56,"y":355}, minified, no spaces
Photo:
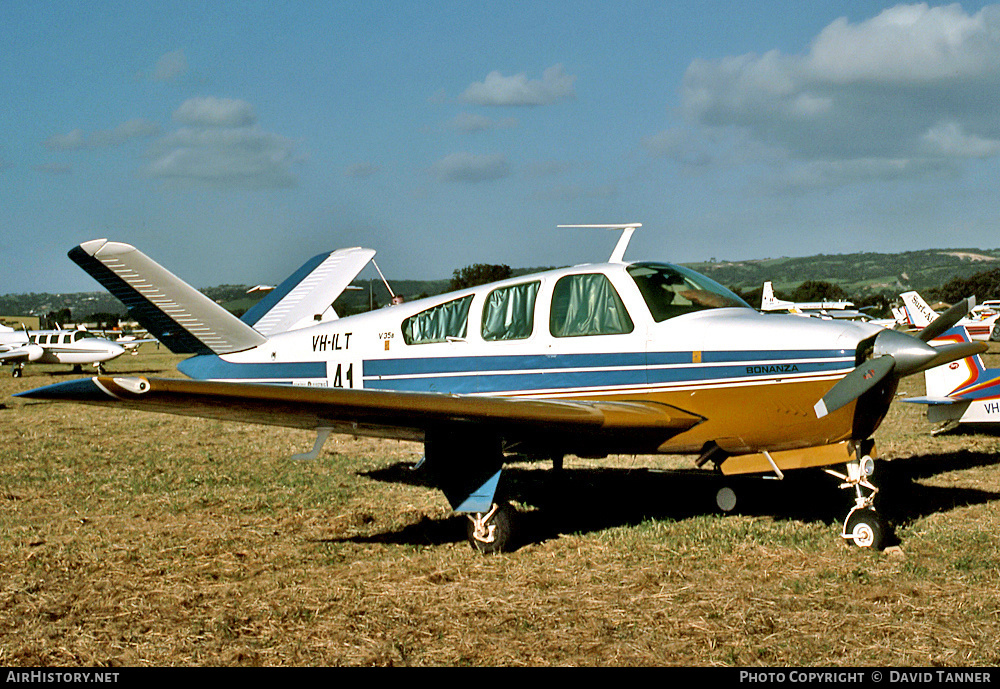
{"x":863,"y":525}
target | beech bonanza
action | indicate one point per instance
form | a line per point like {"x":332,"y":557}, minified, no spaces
{"x":610,"y":358}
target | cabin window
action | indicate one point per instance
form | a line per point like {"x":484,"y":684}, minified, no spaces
{"x":509,"y":312}
{"x":438,"y":324}
{"x":587,"y":305}
{"x":671,"y":291}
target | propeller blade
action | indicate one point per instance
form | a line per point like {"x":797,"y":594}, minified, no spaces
{"x":947,"y":319}
{"x":854,"y":384}
{"x":901,"y":355}
{"x":953,"y":352}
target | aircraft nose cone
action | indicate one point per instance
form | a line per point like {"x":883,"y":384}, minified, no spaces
{"x":909,"y":353}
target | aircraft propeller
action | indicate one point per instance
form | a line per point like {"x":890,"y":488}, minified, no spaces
{"x":901,"y":355}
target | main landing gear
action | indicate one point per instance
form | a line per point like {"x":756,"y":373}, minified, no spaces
{"x":490,"y":532}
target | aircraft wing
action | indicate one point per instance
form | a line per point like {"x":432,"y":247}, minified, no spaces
{"x":402,"y":415}
{"x":14,"y":354}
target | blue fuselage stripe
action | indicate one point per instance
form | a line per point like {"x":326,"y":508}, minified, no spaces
{"x":498,"y":374}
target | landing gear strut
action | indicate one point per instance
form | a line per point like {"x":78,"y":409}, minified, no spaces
{"x":863,"y":525}
{"x":490,"y":532}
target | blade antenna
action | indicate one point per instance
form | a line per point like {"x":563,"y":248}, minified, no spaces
{"x":627,"y":230}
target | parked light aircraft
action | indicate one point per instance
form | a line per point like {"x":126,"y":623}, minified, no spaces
{"x":919,"y":314}
{"x":769,"y":302}
{"x":826,"y":309}
{"x":76,"y":347}
{"x":963,"y":391}
{"x":610,"y":358}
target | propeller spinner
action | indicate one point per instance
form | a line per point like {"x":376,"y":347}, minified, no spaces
{"x":901,"y":355}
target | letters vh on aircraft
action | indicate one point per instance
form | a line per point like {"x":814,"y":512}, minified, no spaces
{"x":962,"y":392}
{"x":616,"y":357}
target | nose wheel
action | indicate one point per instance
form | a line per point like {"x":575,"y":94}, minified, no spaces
{"x":863,"y":525}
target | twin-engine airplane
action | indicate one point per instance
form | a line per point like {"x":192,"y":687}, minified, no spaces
{"x":74,"y":347}
{"x":617,"y":357}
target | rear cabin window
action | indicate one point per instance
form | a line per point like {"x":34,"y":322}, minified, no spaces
{"x":439,"y":323}
{"x":671,"y":291}
{"x":587,"y":305}
{"x":509,"y":312}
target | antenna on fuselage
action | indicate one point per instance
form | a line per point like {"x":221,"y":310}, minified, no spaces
{"x":627,"y":230}
{"x":384,"y":281}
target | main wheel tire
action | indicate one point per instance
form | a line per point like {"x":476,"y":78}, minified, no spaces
{"x":725,"y":499}
{"x":499,"y":530}
{"x":866,"y":529}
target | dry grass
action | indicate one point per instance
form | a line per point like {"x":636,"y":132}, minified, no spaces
{"x":136,"y":539}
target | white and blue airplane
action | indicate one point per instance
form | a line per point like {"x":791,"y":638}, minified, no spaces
{"x":59,"y":346}
{"x":617,"y":357}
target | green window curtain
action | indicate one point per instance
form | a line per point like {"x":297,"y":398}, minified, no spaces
{"x":587,"y":305}
{"x":437,"y":324}
{"x":509,"y":312}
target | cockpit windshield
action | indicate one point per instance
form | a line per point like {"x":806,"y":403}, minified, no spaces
{"x":671,"y":290}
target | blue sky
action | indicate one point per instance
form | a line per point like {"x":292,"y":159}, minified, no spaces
{"x":232,"y":141}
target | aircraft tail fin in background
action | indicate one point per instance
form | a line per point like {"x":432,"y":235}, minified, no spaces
{"x":941,"y":381}
{"x":178,"y":315}
{"x":306,"y":297}
{"x":768,"y":302}
{"x":918,"y":312}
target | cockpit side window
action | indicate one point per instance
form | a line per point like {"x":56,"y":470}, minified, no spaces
{"x":438,"y":323}
{"x":509,"y":312}
{"x":587,"y":305}
{"x":671,"y":291}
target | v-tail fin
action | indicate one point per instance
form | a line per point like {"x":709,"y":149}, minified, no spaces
{"x":306,"y":297}
{"x":176,"y":314}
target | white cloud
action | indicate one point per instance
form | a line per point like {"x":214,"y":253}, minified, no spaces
{"x":244,"y":157}
{"x":170,"y":67}
{"x":908,"y":92}
{"x":907,"y":43}
{"x":222,"y":146}
{"x":467,"y":167}
{"x":215,"y":112}
{"x":78,"y":139}
{"x":497,"y":89}
{"x":949,"y":139}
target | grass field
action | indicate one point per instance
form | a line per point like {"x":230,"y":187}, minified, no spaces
{"x":132,"y":539}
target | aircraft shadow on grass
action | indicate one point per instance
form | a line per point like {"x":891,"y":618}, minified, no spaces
{"x":588,"y":500}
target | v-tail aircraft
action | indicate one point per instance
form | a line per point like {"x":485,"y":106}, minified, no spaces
{"x":963,"y":391}
{"x":620,"y":357}
{"x":59,"y":346}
